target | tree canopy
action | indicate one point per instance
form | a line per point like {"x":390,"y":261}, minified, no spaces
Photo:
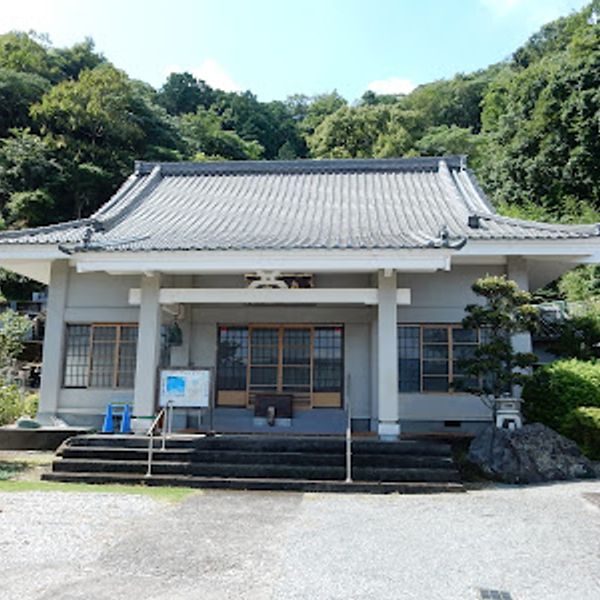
{"x":71,"y":125}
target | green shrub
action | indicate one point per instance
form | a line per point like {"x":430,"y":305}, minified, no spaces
{"x":557,"y":389}
{"x":14,"y":405}
{"x":579,"y":337}
{"x":583,"y":426}
{"x":31,"y":404}
{"x":11,"y":403}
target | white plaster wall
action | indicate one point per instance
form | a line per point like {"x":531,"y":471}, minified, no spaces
{"x":96,"y":298}
{"x":436,"y":298}
{"x":100,"y":290}
{"x":357,"y":348}
{"x":441,"y":298}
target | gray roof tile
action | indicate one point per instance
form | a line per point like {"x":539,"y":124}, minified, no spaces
{"x":345,"y":204}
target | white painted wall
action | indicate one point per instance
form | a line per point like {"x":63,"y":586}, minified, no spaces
{"x":99,"y":298}
{"x":436,"y":298}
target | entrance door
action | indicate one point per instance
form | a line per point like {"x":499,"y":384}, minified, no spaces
{"x":305,"y":361}
{"x":280,"y":360}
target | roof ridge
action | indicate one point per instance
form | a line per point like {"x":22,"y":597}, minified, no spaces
{"x":146,"y":187}
{"x":124,"y":188}
{"x":14,"y":233}
{"x":580,"y":227}
{"x":343,"y":165}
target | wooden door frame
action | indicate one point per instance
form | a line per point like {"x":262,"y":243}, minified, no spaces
{"x":280,"y":327}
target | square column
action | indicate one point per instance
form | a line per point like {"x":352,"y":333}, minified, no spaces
{"x":148,"y":353}
{"x":54,"y":341}
{"x":516,"y":269}
{"x":387,"y":355}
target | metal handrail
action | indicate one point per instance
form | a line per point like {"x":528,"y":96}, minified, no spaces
{"x":348,"y":433}
{"x":165,"y":413}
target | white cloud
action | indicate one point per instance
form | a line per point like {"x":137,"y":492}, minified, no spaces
{"x":210,"y":71}
{"x":392,"y":85}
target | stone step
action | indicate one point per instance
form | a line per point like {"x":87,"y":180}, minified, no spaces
{"x":289,"y":485}
{"x":268,"y":443}
{"x":118,"y":454}
{"x":128,"y":441}
{"x":268,"y":471}
{"x":270,"y":458}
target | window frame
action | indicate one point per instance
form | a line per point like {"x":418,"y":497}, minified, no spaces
{"x":449,"y":344}
{"x":117,"y":345}
{"x":305,"y":395}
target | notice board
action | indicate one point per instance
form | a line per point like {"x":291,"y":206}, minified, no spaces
{"x":185,"y":388}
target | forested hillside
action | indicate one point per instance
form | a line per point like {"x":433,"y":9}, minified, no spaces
{"x":71,"y":125}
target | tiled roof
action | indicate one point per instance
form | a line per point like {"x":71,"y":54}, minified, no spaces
{"x":336,"y":204}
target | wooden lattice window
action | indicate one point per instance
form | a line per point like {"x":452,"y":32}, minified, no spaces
{"x":303,"y":360}
{"x":429,"y":357}
{"x":100,"y":355}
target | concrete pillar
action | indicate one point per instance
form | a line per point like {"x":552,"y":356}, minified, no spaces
{"x":373,"y":366}
{"x":387,"y":354}
{"x":516,"y":269}
{"x":54,"y":341}
{"x":148,"y":352}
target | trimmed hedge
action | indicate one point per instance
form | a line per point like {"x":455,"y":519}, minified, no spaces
{"x":583,"y":426}
{"x":555,"y":390}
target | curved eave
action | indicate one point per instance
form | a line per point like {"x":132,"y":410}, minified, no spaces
{"x":34,"y":260}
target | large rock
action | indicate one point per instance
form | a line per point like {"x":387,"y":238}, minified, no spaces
{"x":532,"y":454}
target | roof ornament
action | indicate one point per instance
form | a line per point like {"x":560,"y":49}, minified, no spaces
{"x":86,"y":244}
{"x":445,"y":240}
{"x":268,"y":279}
{"x":474,"y":221}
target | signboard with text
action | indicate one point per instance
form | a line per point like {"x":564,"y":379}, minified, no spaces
{"x":185,"y":388}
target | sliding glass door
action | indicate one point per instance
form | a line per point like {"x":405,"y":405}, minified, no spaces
{"x":305,"y":361}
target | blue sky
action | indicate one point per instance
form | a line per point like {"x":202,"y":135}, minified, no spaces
{"x":280,"y":47}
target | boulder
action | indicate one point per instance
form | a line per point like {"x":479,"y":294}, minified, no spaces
{"x":533,"y":454}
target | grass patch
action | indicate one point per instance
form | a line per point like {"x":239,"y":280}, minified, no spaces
{"x":166,"y":494}
{"x":9,"y":469}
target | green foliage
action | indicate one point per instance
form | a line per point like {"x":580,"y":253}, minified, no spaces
{"x":444,"y":139}
{"x":29,"y":208}
{"x":581,"y":284}
{"x":556,"y":389}
{"x":27,"y":53}
{"x":579,"y":337}
{"x":10,"y":403}
{"x":350,"y":132}
{"x":13,"y":330}
{"x":452,"y":102}
{"x":542,"y":119}
{"x":71,"y":125}
{"x":15,"y":404}
{"x":309,"y":112}
{"x":182,"y":93}
{"x":204,"y":135}
{"x":17,"y":287}
{"x":583,"y":425}
{"x":18,"y":91}
{"x":505,"y":310}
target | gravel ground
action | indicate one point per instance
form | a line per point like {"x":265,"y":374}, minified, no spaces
{"x":535,"y":542}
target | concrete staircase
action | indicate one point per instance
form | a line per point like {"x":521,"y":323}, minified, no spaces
{"x":308,"y":464}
